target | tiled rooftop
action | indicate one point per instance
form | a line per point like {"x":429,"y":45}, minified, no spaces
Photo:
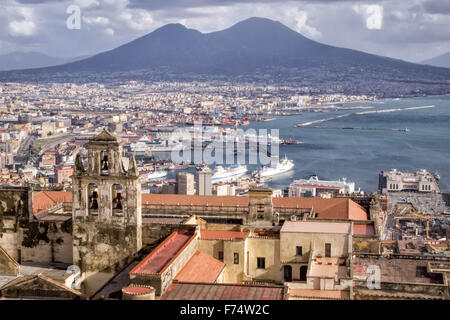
{"x":363,"y":229}
{"x":195,"y":200}
{"x":197,"y":291}
{"x":167,"y":250}
{"x":201,"y":268}
{"x":319,"y":294}
{"x":335,"y":208}
{"x":136,"y":290}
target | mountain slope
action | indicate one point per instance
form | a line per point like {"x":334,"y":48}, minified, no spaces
{"x":257,"y":47}
{"x":26,"y":60}
{"x":248,"y":45}
{"x":440,"y":61}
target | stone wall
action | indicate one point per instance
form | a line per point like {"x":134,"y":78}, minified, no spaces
{"x":15,"y":206}
{"x":8,"y":266}
{"x":46,"y":241}
{"x":102,"y":248}
{"x":154,"y":233}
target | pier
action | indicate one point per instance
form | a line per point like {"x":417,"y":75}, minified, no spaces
{"x":352,"y":128}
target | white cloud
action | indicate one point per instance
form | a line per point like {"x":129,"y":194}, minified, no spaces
{"x":300,"y":18}
{"x":137,"y":19}
{"x":98,"y":21}
{"x":25,"y":25}
{"x":85,"y":4}
{"x":109,"y":31}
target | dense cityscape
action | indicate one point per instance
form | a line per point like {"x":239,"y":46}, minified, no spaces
{"x":141,"y":183}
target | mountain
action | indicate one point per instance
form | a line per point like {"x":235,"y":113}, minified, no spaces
{"x":27,"y":60}
{"x":256,"y":48}
{"x":440,"y":61}
{"x":248,"y":45}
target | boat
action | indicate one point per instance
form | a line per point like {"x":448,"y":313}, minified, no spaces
{"x":157,"y":174}
{"x":229,"y":174}
{"x":284,"y":166}
{"x":290,"y":141}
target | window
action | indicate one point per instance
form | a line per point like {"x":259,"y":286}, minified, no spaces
{"x":236,"y":258}
{"x":104,"y":165}
{"x":327,"y":250}
{"x":93,"y":197}
{"x":303,"y":272}
{"x":287,"y":273}
{"x":260,"y":263}
{"x":299,"y":251}
{"x":220,"y":255}
{"x":118,"y":200}
{"x":421,"y":271}
{"x":260,"y":207}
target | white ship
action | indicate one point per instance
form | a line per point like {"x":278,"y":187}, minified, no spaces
{"x":229,"y":174}
{"x":284,"y":166}
{"x":157,"y":174}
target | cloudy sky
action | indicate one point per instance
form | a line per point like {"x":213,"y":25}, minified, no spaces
{"x":412,"y":30}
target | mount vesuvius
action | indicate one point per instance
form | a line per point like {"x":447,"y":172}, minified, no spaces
{"x":255,"y":45}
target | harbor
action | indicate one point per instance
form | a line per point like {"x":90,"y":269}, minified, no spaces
{"x":347,"y":142}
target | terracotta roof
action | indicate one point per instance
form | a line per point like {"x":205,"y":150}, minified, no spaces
{"x":320,"y":294}
{"x":201,"y":268}
{"x":222,"y":235}
{"x":45,"y":199}
{"x":164,"y":253}
{"x":203,"y":291}
{"x":334,"y":208}
{"x":137,"y":290}
{"x":363,"y":229}
{"x":178,"y":199}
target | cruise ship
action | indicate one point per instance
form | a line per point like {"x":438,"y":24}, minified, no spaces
{"x":229,"y":174}
{"x":313,"y":187}
{"x":267,"y":171}
{"x":157,"y":174}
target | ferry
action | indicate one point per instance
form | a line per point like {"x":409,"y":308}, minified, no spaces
{"x":284,"y":166}
{"x":157,"y":174}
{"x":229,"y":174}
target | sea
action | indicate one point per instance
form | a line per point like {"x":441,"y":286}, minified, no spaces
{"x":359,"y":155}
{"x":359,"y":142}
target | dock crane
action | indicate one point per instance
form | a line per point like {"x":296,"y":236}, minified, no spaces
{"x":416,"y":215}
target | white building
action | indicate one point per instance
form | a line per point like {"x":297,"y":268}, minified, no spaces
{"x":421,"y":181}
{"x":313,"y":187}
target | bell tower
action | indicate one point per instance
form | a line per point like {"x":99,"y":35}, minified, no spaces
{"x":106,"y":213}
